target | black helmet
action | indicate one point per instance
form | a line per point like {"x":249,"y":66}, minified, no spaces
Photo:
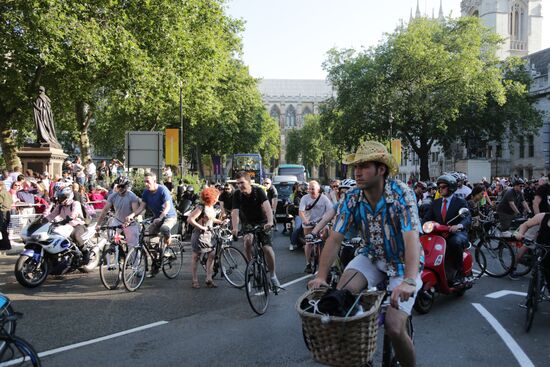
{"x":65,"y":193}
{"x":518,"y":181}
{"x":449,"y":180}
{"x":122,"y":181}
{"x":432,"y":185}
{"x":190,"y":188}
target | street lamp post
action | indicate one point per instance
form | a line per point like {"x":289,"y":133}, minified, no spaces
{"x":181,"y":132}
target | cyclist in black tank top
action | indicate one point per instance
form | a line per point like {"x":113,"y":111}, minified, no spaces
{"x":543,"y":237}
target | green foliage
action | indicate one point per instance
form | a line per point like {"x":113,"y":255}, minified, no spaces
{"x":416,"y":84}
{"x":113,"y":66}
{"x":310,"y":145}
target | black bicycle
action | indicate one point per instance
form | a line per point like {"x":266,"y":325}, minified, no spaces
{"x":498,"y":258}
{"x":537,"y":283}
{"x":316,"y":244}
{"x":13,"y":349}
{"x":114,"y":253}
{"x":169,"y":258}
{"x":228,"y":259}
{"x":258,"y":284}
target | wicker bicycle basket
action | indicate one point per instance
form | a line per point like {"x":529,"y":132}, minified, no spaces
{"x":341,"y":341}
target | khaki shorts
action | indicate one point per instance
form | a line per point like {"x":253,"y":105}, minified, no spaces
{"x":164,"y":227}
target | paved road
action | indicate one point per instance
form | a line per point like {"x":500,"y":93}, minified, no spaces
{"x":215,"y":327}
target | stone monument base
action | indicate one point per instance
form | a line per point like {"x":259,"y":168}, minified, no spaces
{"x":42,"y":159}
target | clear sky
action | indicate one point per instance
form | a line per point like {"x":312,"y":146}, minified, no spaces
{"x":288,"y":39}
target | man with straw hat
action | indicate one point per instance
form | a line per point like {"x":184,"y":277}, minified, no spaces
{"x":385,"y":213}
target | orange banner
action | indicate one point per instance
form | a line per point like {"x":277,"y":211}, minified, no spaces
{"x":172,"y":147}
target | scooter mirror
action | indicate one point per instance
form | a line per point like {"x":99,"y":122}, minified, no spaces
{"x":463,"y":212}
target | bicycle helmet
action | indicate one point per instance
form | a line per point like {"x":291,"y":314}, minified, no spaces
{"x":348,"y":183}
{"x":432,"y":186}
{"x":448,"y":180}
{"x":190,"y":189}
{"x":518,"y":181}
{"x":122,"y":181}
{"x":422,"y":185}
{"x":64,"y":194}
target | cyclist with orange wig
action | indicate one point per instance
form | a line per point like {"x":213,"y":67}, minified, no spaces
{"x":202,"y":218}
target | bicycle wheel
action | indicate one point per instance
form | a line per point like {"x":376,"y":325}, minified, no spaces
{"x":500,"y":259}
{"x":233,"y":266}
{"x":257,"y":287}
{"x":8,"y":327}
{"x":172,"y":261}
{"x":533,"y":297}
{"x":133,"y":271}
{"x":110,"y":268}
{"x":17,"y":352}
{"x":481,"y":261}
{"x":315,"y":256}
{"x":525,"y":264}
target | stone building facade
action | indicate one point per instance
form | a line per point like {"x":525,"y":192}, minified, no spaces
{"x":288,"y":101}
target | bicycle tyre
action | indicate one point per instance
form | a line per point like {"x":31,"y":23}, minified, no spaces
{"x":257,"y":287}
{"x":172,"y":261}
{"x":533,"y":297}
{"x":481,"y":262}
{"x":315,"y":262}
{"x":110,"y":268}
{"x":16,"y":348}
{"x":500,"y":259}
{"x":233,"y":266}
{"x":134,"y":269}
{"x":8,"y":328}
{"x":524,"y":265}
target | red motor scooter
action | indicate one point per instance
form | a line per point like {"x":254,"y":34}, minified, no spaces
{"x":436,"y":275}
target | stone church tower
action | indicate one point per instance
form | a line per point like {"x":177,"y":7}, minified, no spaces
{"x":519,"y":22}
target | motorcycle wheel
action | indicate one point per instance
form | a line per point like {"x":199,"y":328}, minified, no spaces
{"x":26,"y":274}
{"x":424,"y":302}
{"x":95,"y":257}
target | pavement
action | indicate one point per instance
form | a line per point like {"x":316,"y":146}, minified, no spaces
{"x":73,"y":320}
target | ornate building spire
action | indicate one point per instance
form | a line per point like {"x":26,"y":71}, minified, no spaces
{"x":418,"y":15}
{"x":411,"y":17}
{"x":441,"y":17}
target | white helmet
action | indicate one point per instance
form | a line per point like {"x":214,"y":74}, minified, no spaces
{"x":348,"y":183}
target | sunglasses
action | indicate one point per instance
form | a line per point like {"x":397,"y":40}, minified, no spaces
{"x":442,"y":186}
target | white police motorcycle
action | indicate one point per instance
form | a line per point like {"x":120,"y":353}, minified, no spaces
{"x":50,"y":250}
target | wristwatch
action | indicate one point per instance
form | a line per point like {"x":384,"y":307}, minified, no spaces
{"x":410,"y":281}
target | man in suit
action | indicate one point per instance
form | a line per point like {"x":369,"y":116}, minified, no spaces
{"x":442,"y":211}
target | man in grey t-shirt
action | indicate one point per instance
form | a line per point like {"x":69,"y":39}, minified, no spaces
{"x":311,"y":210}
{"x":125,"y":203}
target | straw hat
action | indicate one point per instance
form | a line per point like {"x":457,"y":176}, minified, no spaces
{"x":373,"y":151}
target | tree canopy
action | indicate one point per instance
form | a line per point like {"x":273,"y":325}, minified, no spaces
{"x":111,"y":66}
{"x":417,"y":85}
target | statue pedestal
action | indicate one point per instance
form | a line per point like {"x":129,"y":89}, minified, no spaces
{"x":42,"y":159}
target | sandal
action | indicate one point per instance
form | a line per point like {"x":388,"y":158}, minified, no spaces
{"x":196,"y":285}
{"x":210,"y":284}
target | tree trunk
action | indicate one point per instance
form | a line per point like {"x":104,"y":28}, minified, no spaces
{"x":83,"y":118}
{"x":9,"y":149}
{"x":424,"y":166}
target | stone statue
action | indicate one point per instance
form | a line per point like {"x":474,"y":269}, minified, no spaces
{"x":43,"y":120}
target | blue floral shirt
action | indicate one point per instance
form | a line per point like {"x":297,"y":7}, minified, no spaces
{"x":382,"y":228}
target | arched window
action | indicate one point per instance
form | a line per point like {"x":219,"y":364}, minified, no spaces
{"x":275,"y":112}
{"x":306,"y":111}
{"x":290,"y":120}
{"x":517,"y":26}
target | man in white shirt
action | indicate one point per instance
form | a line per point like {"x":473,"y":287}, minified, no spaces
{"x":90,"y":172}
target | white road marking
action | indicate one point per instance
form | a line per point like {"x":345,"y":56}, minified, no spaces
{"x":88,"y":342}
{"x":503,"y":293}
{"x":296,"y":280}
{"x":516,"y":350}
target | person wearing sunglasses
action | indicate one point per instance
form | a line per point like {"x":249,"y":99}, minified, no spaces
{"x":443,"y":211}
{"x":512,"y":201}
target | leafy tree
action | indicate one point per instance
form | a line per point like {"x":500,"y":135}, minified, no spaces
{"x":310,"y":145}
{"x":415,"y":85}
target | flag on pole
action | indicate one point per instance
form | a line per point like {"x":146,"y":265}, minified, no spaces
{"x":172,"y":147}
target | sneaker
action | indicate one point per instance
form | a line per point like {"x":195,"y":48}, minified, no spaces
{"x":291,"y":247}
{"x":308,"y":269}
{"x":275,"y":282}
